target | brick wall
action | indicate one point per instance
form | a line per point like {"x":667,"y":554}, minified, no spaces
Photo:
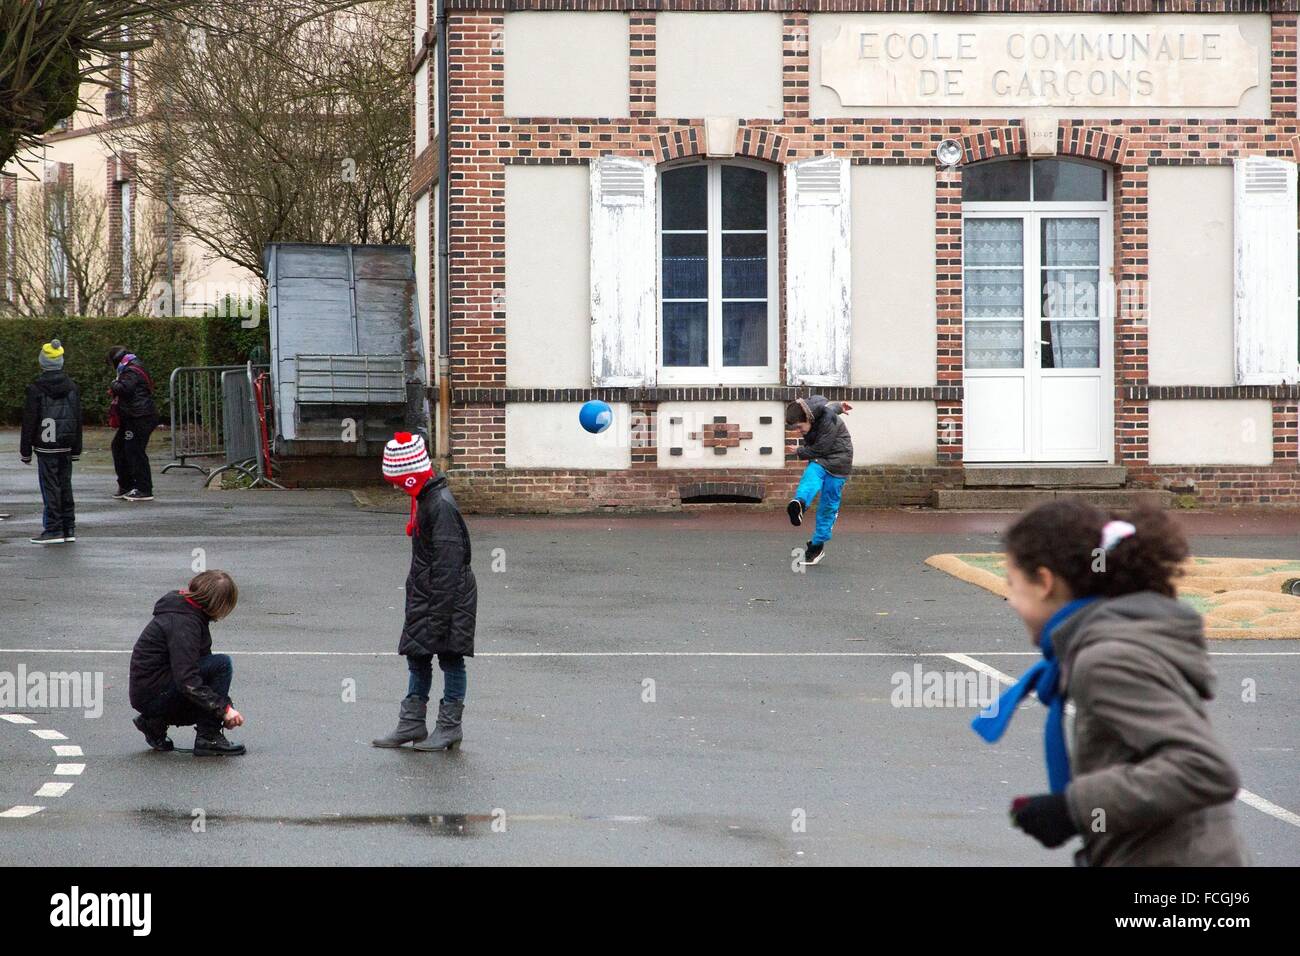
{"x":482,"y":142}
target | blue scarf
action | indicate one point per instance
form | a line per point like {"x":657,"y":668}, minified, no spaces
{"x":1044,"y":679}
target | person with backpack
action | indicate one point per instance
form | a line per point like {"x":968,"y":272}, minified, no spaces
{"x":52,"y":430}
{"x":133,"y":413}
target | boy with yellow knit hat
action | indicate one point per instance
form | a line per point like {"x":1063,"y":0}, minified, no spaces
{"x":52,"y":430}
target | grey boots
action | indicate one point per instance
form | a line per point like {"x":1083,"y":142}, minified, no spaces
{"x":410,"y":725}
{"x":446,"y":732}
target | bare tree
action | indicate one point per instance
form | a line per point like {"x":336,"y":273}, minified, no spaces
{"x":49,"y":50}
{"x":279,"y":120}
{"x":64,"y":263}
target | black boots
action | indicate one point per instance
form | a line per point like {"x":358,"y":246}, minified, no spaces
{"x":155,"y":733}
{"x":446,"y":732}
{"x":410,"y":725}
{"x":213,"y":743}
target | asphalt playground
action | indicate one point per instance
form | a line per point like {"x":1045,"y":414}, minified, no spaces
{"x":648,"y":689}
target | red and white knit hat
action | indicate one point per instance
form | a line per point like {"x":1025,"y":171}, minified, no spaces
{"x":406,"y":461}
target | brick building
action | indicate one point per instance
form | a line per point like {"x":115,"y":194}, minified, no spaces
{"x":696,"y":210}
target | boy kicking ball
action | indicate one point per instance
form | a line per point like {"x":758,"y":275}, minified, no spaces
{"x":828,"y":448}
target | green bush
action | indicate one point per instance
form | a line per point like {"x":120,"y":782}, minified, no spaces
{"x":162,"y":345}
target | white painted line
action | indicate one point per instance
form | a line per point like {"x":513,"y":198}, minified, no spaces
{"x":47,"y":734}
{"x":53,"y":789}
{"x":69,"y":769}
{"x":1244,"y":795}
{"x":525,"y":654}
{"x":17,"y":719}
{"x":1269,"y":807}
{"x":67,"y":750}
{"x":15,"y":812}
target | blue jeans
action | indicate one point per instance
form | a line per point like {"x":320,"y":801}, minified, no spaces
{"x":817,"y":480}
{"x":454,"y":678}
{"x":216,"y":671}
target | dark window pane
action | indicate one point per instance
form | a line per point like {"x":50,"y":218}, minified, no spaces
{"x":744,"y":333}
{"x":686,"y":334}
{"x":1001,"y":181}
{"x":744,"y":266}
{"x":685,"y":265}
{"x":1059,"y":180}
{"x":744,"y":198}
{"x":686,"y":198}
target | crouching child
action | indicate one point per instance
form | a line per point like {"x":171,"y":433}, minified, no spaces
{"x":176,"y":680}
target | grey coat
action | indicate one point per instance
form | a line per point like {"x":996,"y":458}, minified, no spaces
{"x":1152,"y":785}
{"x":828,"y":441}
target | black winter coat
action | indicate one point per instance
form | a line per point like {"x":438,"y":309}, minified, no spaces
{"x":134,"y":393}
{"x":441,"y":593}
{"x":53,"y":396}
{"x":828,"y":441}
{"x":167,"y":654}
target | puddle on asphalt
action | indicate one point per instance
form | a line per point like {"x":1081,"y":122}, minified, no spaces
{"x":436,"y":824}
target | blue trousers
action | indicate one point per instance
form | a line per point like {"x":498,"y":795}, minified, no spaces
{"x":454,"y":678}
{"x":817,"y":480}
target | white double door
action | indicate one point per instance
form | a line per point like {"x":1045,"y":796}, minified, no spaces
{"x":1038,"y":299}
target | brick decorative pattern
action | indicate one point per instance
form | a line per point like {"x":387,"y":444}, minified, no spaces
{"x":482,"y":141}
{"x":119,"y":169}
{"x":721,"y":435}
{"x":735,"y":393}
{"x":8,"y":206}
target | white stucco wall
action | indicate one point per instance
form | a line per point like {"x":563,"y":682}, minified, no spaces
{"x":547,"y":435}
{"x":1190,"y":254}
{"x":1210,"y":432}
{"x":718,"y":64}
{"x":893,"y":433}
{"x":696,"y":415}
{"x":893,"y":338}
{"x":566,"y":64}
{"x":548,"y":292}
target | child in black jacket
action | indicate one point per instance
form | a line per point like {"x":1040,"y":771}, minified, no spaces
{"x":52,"y":429}
{"x":175,"y":678}
{"x":828,"y":449}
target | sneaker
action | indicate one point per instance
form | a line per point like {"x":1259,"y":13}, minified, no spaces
{"x":69,"y":537}
{"x":134,"y":495}
{"x":155,"y":733}
{"x":121,"y":493}
{"x":795,"y":510}
{"x":813,"y":554}
{"x":215,"y":745}
{"x":49,"y":537}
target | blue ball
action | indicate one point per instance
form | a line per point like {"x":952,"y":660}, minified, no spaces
{"x":595,"y":416}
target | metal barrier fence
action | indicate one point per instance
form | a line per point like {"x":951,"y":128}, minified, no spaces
{"x":198,"y":414}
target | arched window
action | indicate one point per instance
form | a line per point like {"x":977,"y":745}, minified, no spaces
{"x":717,"y":273}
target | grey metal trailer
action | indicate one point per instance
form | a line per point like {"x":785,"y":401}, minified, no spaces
{"x":348,"y":359}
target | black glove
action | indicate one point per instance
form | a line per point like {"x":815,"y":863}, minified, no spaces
{"x":1045,"y":817}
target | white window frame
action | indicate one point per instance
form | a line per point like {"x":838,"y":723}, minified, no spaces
{"x":715,"y":373}
{"x":126,"y":194}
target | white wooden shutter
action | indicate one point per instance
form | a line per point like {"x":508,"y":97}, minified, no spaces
{"x":1264,"y":288}
{"x":818,"y":309}
{"x":624,"y":272}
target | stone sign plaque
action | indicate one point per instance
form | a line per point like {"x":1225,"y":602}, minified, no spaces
{"x":1066,"y":62}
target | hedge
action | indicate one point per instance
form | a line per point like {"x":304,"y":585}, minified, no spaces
{"x":163,"y":344}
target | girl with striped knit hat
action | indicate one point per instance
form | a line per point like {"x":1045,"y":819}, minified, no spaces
{"x":441,"y":599}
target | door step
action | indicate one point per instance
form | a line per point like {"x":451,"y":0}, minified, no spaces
{"x":1045,"y":476}
{"x":1018,"y":499}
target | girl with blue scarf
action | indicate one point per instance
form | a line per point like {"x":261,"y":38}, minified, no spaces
{"x":1147,"y":783}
